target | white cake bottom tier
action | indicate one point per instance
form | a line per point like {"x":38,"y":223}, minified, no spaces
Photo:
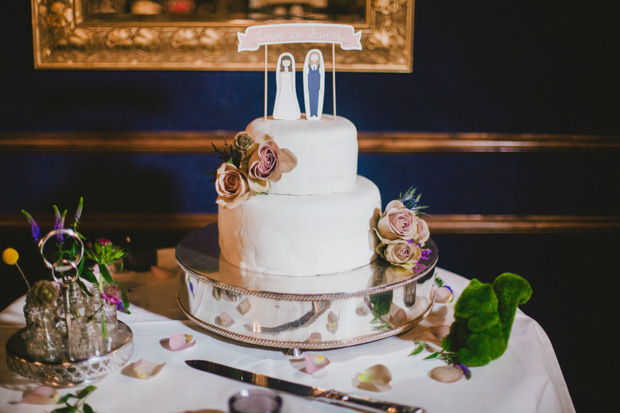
{"x":302,"y":235}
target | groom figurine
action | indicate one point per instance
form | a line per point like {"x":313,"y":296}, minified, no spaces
{"x":313,"y":84}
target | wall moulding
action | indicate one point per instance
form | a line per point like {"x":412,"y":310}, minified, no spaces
{"x":369,"y":142}
{"x":439,"y":224}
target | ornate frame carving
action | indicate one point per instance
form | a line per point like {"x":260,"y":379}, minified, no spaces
{"x":64,"y":39}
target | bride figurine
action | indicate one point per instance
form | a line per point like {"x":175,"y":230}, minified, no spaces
{"x":286,"y":106}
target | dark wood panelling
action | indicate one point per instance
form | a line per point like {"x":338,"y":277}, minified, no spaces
{"x":439,"y":224}
{"x":369,"y":142}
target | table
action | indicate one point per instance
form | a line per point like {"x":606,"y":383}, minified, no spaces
{"x":527,"y":378}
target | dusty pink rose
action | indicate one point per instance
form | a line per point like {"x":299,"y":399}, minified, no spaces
{"x":397,"y":222}
{"x":231,"y":185}
{"x":403,"y":254}
{"x":266,"y":163}
{"x":423,"y":233}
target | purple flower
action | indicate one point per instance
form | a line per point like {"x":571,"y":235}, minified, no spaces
{"x":59,"y":222}
{"x":426,"y":253}
{"x":112,"y":294}
{"x":466,"y":370}
{"x":34,"y":228}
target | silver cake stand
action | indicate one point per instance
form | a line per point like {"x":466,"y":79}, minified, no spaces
{"x":320,"y":312}
{"x":69,"y":373}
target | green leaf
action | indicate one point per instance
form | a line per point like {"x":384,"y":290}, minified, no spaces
{"x":86,"y":391}
{"x":125,"y":298}
{"x":89,"y":275}
{"x":417,"y":350}
{"x":87,"y":408}
{"x":67,"y":409}
{"x":432,"y":356}
{"x":66,"y":398}
{"x":107,"y":277}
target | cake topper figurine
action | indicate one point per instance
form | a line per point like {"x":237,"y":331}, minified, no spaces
{"x":314,"y":84}
{"x":264,"y":35}
{"x":286,"y":106}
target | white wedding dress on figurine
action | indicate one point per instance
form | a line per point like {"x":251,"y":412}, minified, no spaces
{"x":286,"y":106}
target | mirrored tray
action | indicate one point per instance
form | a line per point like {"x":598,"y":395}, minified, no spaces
{"x":316,"y":312}
{"x":69,"y":373}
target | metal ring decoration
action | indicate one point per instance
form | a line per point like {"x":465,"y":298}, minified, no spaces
{"x":63,"y":265}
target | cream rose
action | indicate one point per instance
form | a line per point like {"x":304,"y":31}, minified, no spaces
{"x":423,"y":233}
{"x":397,"y":222}
{"x":231,"y":185}
{"x":402,"y":254}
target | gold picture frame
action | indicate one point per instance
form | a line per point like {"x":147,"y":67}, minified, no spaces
{"x":74,"y":34}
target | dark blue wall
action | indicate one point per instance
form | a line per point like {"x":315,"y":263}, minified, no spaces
{"x":483,"y":66}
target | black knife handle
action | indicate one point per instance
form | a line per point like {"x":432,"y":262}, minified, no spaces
{"x":332,"y":396}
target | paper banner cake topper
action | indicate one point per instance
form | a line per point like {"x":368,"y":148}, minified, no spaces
{"x":341,"y":34}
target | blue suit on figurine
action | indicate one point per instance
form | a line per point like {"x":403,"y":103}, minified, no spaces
{"x":314,"y":82}
{"x":314,"y":86}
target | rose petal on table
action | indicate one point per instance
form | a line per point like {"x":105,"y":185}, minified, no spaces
{"x":178,"y":342}
{"x":224,"y":319}
{"x":144,"y":369}
{"x":315,"y":362}
{"x":447,"y":374}
{"x":375,"y":378}
{"x":444,"y":294}
{"x":41,"y":395}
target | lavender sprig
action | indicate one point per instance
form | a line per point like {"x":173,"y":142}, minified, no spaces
{"x":59,"y":222}
{"x":34,"y":228}
{"x":78,"y":213}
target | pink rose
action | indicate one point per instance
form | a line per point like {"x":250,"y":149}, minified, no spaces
{"x":423,"y":233}
{"x":397,"y":222}
{"x":231,"y":185}
{"x":266,"y":163}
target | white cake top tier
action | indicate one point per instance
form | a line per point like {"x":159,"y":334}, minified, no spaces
{"x":326,"y":151}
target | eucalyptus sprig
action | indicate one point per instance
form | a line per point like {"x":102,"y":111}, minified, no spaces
{"x":79,"y":402}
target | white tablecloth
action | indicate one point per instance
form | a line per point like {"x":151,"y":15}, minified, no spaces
{"x":527,"y":378}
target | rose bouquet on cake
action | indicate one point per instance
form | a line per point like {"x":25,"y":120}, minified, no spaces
{"x":248,"y":168}
{"x":400,"y":231}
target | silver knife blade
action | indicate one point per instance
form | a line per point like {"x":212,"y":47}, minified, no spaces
{"x":330,"y":396}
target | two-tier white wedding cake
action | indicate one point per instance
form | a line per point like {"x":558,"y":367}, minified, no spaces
{"x":318,"y":218}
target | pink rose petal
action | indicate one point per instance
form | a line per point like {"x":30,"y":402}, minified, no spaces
{"x":315,"y":362}
{"x":144,"y":369}
{"x":443,"y":295}
{"x":447,"y":374}
{"x":178,"y":342}
{"x":40,"y":395}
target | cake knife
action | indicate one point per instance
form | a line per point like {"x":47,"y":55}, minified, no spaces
{"x":329,"y":396}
